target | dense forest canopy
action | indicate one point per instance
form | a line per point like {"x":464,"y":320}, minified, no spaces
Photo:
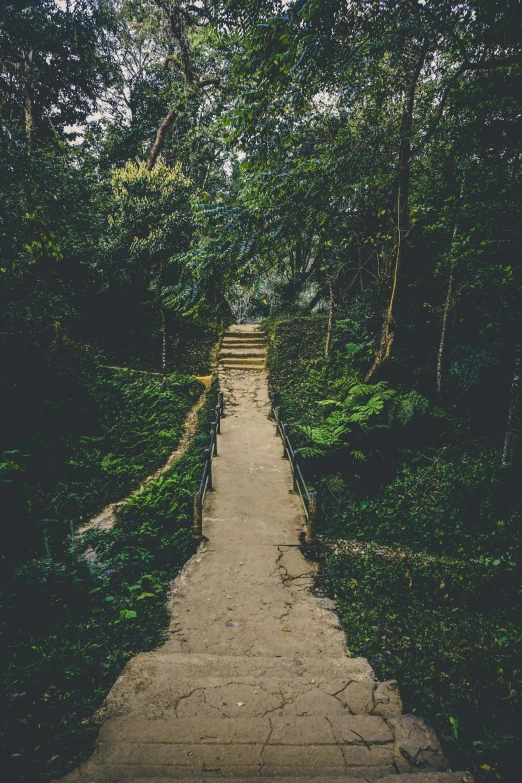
{"x":349,"y":167}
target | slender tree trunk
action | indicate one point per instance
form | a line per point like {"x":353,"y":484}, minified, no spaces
{"x":330,"y":319}
{"x":207,"y":172}
{"x":449,"y":299}
{"x":161,"y":134}
{"x":447,"y":308}
{"x":514,"y":409}
{"x":177,"y":29}
{"x":316,"y":298}
{"x":403,"y":218}
{"x":29,"y":98}
{"x":163,"y":346}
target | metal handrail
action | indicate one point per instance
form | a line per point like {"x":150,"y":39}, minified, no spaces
{"x":308,"y":497}
{"x":206,"y":484}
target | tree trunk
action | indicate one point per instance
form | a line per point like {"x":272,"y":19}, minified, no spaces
{"x":447,"y":308}
{"x":330,"y":319}
{"x":177,"y":29}
{"x":449,"y":297}
{"x":29,"y":98}
{"x":314,"y":300}
{"x":163,"y":347}
{"x":360,"y":269}
{"x":161,"y":134}
{"x":514,"y":409}
{"x":403,"y":218}
{"x":207,"y":172}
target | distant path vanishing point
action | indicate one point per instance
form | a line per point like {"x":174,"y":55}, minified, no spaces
{"x":255,"y":679}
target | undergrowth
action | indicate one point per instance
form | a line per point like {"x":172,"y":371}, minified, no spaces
{"x":69,"y":627}
{"x":114,"y":431}
{"x":419,"y":535}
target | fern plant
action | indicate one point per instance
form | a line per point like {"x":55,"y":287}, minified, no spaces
{"x":361,"y":404}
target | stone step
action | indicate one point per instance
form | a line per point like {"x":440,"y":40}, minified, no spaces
{"x":259,"y":349}
{"x":223,"y":364}
{"x":155,"y":761}
{"x":277,"y":730}
{"x":194,"y":667}
{"x":251,"y":687}
{"x":245,"y":335}
{"x":245,"y":342}
{"x":420,"y":777}
{"x":233,"y":335}
{"x":242,"y":353}
{"x":239,"y":362}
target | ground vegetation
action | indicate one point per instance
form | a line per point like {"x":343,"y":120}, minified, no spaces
{"x":352,"y":171}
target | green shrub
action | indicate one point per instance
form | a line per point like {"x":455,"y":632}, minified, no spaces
{"x":447,"y":630}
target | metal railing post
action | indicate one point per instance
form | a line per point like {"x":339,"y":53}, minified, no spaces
{"x":277,"y":413}
{"x":221,"y":401}
{"x":218,"y":419}
{"x":208,"y":457}
{"x":214,"y":433}
{"x":295,"y":475}
{"x":198,"y":516}
{"x":312,"y":516}
{"x":285,"y":429}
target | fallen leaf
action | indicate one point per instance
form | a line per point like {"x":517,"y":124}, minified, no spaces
{"x":199,"y":560}
{"x":241,"y":704}
{"x":287,"y":630}
{"x":242,"y":563}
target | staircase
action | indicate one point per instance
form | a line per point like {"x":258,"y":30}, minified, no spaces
{"x":254,"y":681}
{"x":243,"y":348}
{"x":200,"y":717}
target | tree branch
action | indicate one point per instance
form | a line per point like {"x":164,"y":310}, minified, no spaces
{"x":207,"y":82}
{"x":161,"y":133}
{"x":436,"y":120}
{"x":515,"y":59}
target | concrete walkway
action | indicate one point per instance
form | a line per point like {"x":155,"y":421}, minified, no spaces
{"x":255,"y":679}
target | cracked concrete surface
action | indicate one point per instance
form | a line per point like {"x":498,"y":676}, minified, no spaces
{"x":255,"y":679}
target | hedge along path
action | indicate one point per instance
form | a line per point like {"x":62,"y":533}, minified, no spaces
{"x":105,"y":519}
{"x":255,"y":679}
